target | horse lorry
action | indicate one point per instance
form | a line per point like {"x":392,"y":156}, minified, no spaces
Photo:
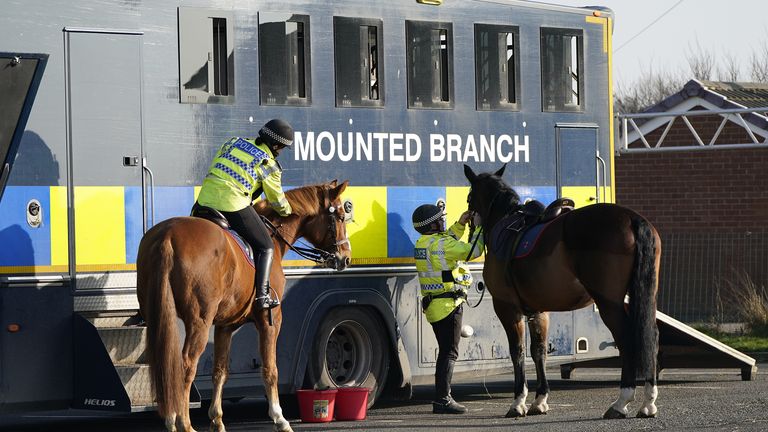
{"x":111,"y":112}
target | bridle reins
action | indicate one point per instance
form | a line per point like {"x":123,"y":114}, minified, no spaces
{"x":480,"y":287}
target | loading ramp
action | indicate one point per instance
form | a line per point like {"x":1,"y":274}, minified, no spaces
{"x":683,"y":347}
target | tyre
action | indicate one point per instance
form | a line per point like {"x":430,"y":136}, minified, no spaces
{"x":350,"y":349}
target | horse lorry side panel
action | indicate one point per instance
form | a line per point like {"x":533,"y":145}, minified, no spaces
{"x":394,"y":96}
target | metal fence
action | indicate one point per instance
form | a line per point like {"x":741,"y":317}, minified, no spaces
{"x":698,"y":270}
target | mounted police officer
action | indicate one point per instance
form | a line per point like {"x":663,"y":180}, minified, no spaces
{"x":443,"y":290}
{"x":242,"y":169}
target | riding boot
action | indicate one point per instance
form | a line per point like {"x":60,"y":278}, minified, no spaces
{"x":264,"y":299}
{"x":444,"y":403}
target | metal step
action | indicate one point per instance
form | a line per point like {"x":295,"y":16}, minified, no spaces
{"x":125,"y":345}
{"x":106,"y":343}
{"x":109,"y":321}
{"x":135,"y":379}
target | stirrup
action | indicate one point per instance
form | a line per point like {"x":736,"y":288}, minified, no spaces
{"x":267,"y":302}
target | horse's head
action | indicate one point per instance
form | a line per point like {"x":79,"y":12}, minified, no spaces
{"x":489,"y":195}
{"x":328,"y":231}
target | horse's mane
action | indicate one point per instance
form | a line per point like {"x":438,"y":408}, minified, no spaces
{"x":304,"y":200}
{"x":492,"y":182}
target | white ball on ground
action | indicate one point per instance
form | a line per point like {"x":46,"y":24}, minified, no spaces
{"x":467,"y":331}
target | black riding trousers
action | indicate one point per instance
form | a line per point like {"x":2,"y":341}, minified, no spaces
{"x":249,"y":225}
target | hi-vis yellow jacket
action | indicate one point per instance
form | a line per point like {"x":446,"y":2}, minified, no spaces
{"x":435,"y":253}
{"x":239,"y":169}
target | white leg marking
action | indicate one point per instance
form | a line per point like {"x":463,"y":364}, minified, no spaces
{"x":276,"y":413}
{"x":518,"y":406}
{"x":540,"y":404}
{"x":626,"y":395}
{"x":170,"y":423}
{"x":649,"y":402}
{"x":215,"y":411}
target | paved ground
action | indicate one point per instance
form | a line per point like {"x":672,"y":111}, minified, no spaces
{"x":709,"y":400}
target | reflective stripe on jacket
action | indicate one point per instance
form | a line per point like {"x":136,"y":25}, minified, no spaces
{"x":434,"y":253}
{"x":238,"y":170}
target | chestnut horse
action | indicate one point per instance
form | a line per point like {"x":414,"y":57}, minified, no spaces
{"x":191,"y":268}
{"x":599,"y":254}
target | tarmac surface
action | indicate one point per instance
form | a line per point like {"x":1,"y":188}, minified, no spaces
{"x":689,"y":400}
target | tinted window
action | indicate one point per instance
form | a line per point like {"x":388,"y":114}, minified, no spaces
{"x":497,"y":62}
{"x":359,"y":62}
{"x":206,"y":56}
{"x":430,"y":64}
{"x":562,"y":80}
{"x":284,"y":59}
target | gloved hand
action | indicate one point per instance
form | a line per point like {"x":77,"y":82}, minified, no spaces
{"x":464,"y":218}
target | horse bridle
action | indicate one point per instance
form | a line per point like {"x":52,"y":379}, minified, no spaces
{"x":317,"y":255}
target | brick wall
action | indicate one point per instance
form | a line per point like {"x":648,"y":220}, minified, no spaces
{"x":711,"y":209}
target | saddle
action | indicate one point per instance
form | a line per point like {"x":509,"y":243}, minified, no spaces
{"x":516,"y":235}
{"x":216,"y":217}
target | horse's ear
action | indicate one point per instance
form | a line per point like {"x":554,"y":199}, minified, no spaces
{"x":338,"y":190}
{"x":469,"y":174}
{"x":500,"y":172}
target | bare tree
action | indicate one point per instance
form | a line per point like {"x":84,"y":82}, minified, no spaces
{"x":701,"y":61}
{"x":758,"y":65}
{"x":730,"y":70}
{"x":653,"y":86}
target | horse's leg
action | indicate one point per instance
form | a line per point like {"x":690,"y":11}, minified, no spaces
{"x":222,"y":340}
{"x":539,"y":326}
{"x":194,"y":345}
{"x":268,"y":348}
{"x":512,"y":320}
{"x":617,"y":321}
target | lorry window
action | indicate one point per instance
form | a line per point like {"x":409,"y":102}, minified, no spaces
{"x":497,"y":65}
{"x":206,"y":56}
{"x":562,"y":65}
{"x":430,"y":64}
{"x":284,"y":59}
{"x":358,"y":59}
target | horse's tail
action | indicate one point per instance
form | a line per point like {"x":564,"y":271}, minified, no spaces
{"x":642,"y":298}
{"x":163,"y":351}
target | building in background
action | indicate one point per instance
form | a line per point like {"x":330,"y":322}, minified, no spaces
{"x":695,"y":165}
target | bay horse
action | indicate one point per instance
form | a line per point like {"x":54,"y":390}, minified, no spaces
{"x":190,"y":268}
{"x":598,"y":254}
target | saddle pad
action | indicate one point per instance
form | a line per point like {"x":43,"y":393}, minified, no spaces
{"x":504,"y":237}
{"x":244,"y":247}
{"x":529,"y":239}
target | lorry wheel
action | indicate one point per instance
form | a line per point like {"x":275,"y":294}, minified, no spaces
{"x":350,"y":350}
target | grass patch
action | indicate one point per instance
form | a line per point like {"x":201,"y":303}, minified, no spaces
{"x":751,"y":342}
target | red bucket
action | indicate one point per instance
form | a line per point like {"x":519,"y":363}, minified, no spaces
{"x":316,"y":406}
{"x":351,"y":403}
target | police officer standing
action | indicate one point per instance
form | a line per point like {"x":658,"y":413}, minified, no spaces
{"x":242,"y":169}
{"x":437,"y":252}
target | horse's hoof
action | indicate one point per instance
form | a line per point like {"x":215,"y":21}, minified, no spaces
{"x":647,"y":412}
{"x":282,"y":427}
{"x":217,"y":427}
{"x":538,"y":410}
{"x":515,"y":413}
{"x":613,"y":413}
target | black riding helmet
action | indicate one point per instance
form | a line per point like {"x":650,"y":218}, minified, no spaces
{"x":277,"y":132}
{"x":425,"y":215}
